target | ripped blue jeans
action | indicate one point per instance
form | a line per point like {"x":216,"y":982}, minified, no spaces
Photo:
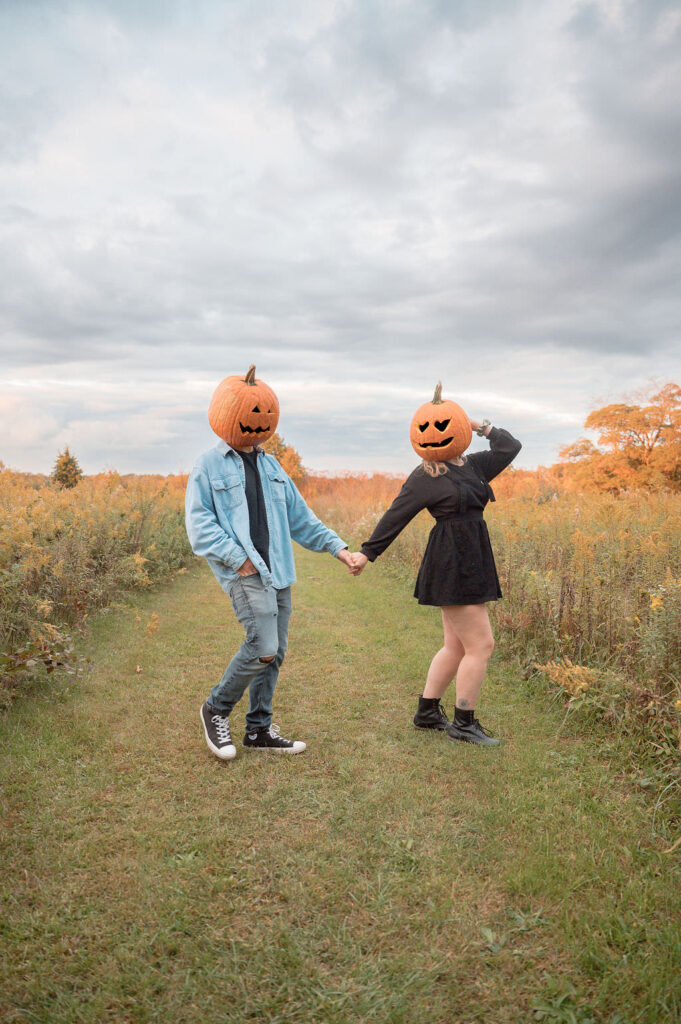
{"x":264,"y":613}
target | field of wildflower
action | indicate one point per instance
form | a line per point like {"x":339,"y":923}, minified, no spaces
{"x":65,"y":552}
{"x":591,"y":584}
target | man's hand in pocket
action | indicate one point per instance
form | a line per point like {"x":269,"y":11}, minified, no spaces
{"x":247,"y":569}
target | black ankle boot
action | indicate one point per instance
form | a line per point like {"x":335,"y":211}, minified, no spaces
{"x":467,"y":728}
{"x":431,"y":714}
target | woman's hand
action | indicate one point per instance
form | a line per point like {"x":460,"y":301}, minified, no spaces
{"x":476,"y":424}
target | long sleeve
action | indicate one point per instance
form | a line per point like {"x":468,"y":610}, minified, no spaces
{"x":503,"y":449}
{"x":408,"y":503}
{"x":306,"y":529}
{"x":206,"y":536}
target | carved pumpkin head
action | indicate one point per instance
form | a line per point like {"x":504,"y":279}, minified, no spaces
{"x":243,"y":411}
{"x":440,"y":430}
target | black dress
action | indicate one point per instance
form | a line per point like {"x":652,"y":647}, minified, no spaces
{"x":458,"y":564}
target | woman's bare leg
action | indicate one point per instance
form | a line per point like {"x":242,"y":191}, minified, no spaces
{"x":470,"y":624}
{"x":445,"y":664}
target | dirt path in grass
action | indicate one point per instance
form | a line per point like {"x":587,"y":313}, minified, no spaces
{"x":386,"y":875}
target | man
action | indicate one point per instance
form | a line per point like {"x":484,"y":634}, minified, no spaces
{"x":242,"y":511}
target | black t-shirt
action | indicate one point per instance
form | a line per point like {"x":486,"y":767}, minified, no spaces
{"x":257,"y":515}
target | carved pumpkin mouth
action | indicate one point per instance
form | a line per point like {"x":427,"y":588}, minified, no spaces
{"x":435,"y":444}
{"x":253,"y":430}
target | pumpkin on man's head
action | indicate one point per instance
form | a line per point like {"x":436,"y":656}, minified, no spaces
{"x":440,"y":430}
{"x":243,"y":410}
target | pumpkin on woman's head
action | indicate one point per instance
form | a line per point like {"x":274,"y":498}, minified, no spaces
{"x":440,"y":430}
{"x":243,"y":411}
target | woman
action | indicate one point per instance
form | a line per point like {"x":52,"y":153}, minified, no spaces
{"x":457,"y":573}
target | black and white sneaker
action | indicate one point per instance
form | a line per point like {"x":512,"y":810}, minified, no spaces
{"x":218,"y":736}
{"x":269,"y":739}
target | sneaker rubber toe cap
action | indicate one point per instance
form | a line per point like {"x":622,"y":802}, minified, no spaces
{"x":227,"y":753}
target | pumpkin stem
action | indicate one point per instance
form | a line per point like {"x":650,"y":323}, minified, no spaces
{"x":437,"y":397}
{"x":250,"y":376}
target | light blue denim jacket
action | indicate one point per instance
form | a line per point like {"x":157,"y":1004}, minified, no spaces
{"x":218,"y":525}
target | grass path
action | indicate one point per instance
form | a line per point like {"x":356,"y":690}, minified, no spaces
{"x":385,"y":875}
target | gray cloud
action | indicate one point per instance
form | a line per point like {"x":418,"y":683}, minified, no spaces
{"x":483,"y":192}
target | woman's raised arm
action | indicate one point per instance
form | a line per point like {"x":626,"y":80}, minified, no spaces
{"x":503,"y":449}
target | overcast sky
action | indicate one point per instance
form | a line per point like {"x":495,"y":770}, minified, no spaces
{"x":361,"y":197}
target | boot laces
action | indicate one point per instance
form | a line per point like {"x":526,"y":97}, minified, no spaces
{"x":221,"y":723}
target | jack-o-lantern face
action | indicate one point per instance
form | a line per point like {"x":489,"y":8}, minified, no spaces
{"x":243,"y":411}
{"x":440,"y":430}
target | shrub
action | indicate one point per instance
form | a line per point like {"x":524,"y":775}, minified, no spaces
{"x":66,"y":472}
{"x":64,"y":552}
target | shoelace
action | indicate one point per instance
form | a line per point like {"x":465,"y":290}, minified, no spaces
{"x":443,"y":713}
{"x":475,"y":723}
{"x":275,"y":732}
{"x":221,"y":724}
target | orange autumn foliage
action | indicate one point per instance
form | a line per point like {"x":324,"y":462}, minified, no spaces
{"x":638,"y":447}
{"x":287,"y":457}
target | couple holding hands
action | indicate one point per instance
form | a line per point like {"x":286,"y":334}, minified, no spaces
{"x":243,"y":511}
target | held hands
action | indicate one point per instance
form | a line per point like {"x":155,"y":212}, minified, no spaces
{"x":360,"y":561}
{"x":355,"y":561}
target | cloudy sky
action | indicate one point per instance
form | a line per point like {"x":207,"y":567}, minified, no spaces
{"x":359,"y":196}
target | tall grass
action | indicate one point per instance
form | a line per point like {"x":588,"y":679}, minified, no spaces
{"x":591,"y":582}
{"x":66,"y":552}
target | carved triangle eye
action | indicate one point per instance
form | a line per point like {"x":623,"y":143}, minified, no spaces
{"x":256,"y":409}
{"x":422,"y":426}
{"x":442,"y":424}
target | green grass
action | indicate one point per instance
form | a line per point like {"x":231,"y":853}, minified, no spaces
{"x":386,"y":875}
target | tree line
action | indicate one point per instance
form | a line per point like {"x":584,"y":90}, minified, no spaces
{"x":638,"y":447}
